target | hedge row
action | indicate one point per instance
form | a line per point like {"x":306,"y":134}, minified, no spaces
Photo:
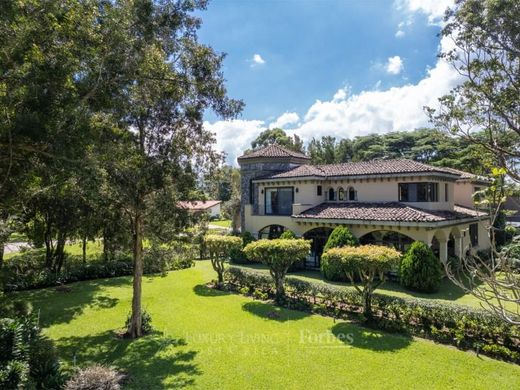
{"x":462,"y":326}
{"x":27,"y":271}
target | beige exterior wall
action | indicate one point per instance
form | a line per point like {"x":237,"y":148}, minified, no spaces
{"x":368,"y":190}
{"x":464,"y":191}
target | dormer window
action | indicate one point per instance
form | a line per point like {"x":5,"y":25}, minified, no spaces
{"x":352,"y":194}
{"x":341,"y":194}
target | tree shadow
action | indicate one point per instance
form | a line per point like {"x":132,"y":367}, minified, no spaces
{"x":151,"y":362}
{"x":366,"y":338}
{"x":205,"y":291}
{"x":269,"y":311}
{"x":62,"y":309}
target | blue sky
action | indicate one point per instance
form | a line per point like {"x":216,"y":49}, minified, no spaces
{"x":325,"y":67}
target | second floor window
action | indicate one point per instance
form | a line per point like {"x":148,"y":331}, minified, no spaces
{"x":278,"y":201}
{"x":341,"y":194}
{"x":418,"y":192}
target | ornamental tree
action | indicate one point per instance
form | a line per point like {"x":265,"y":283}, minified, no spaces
{"x":341,"y":236}
{"x":367,"y":264}
{"x":278,"y":255}
{"x":220,"y":249}
{"x":420,"y":269}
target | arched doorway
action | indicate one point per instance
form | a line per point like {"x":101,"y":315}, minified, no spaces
{"x":319,"y":237}
{"x":399,"y":241}
{"x":271,"y":232}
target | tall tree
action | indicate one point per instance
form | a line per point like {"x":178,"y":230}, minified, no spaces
{"x":279,"y":137}
{"x":163,"y":80}
{"x":485,"y":111}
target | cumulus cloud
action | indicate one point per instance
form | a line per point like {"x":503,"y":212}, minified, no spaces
{"x":394,"y":65}
{"x":257,"y":60}
{"x":434,"y":9}
{"x":287,"y":118}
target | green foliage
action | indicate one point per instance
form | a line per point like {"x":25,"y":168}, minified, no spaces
{"x":461,"y":326}
{"x":278,"y":255}
{"x":96,"y":377}
{"x":288,"y":235}
{"x":367,"y":263}
{"x":237,"y":255}
{"x":420,"y":269}
{"x":27,"y":358}
{"x":279,"y":137}
{"x":341,"y":236}
{"x":220,"y":249}
{"x":161,"y":259}
{"x":146,"y":322}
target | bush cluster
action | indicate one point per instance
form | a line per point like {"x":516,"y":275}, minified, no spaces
{"x":462,"y":326}
{"x":96,"y":377}
{"x":238,"y":256}
{"x":420,"y":269}
{"x":27,"y":270}
{"x":27,"y":358}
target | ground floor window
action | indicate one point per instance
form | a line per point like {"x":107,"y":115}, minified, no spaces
{"x":318,"y":237}
{"x":473,"y":234}
{"x":271,"y":232}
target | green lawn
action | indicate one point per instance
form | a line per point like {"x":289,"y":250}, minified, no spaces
{"x":211,"y":339}
{"x":224,"y":223}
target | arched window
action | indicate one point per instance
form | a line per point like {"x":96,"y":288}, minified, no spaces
{"x":341,"y":193}
{"x":331,"y":194}
{"x":352,"y":194}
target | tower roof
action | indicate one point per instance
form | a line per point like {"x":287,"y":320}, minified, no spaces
{"x":273,"y":151}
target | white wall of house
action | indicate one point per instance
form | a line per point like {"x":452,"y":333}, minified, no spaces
{"x":214,"y":210}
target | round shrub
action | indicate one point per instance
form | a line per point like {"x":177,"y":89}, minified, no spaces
{"x":221,"y":248}
{"x":96,"y":377}
{"x":420,"y":269}
{"x":340,"y":237}
{"x":288,"y":235}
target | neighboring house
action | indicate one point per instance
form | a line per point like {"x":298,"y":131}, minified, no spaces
{"x":512,"y":205}
{"x":382,"y":202}
{"x":212,"y":207}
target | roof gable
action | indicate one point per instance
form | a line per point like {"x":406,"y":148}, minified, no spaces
{"x":275,"y":151}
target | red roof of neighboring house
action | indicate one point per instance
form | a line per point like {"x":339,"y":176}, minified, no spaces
{"x":198,"y":205}
{"x":385,"y":211}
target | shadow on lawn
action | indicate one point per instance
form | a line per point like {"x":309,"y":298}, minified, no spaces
{"x":151,"y":362}
{"x":272,"y":312}
{"x":205,"y":291}
{"x":59,"y":307}
{"x":375,"y":340}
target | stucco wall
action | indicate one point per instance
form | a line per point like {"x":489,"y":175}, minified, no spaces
{"x":464,"y":193}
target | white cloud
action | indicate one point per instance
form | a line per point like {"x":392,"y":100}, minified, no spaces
{"x":257,"y":60}
{"x":348,"y":115}
{"x":394,"y":65}
{"x":287,"y":118}
{"x":235,"y":136}
{"x":434,"y":9}
{"x":399,"y":34}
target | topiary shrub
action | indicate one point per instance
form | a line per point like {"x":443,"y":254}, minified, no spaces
{"x":220,"y":249}
{"x":366,"y":263}
{"x":420,"y":269}
{"x":237,"y":255}
{"x":340,"y":237}
{"x":96,"y":377}
{"x":278,"y":255}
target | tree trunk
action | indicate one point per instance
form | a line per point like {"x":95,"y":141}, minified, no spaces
{"x":84,"y":249}
{"x":134,"y":329}
{"x":2,"y":248}
{"x":49,"y":250}
{"x":367,"y":302}
{"x":59,"y":254}
{"x":280,"y":288}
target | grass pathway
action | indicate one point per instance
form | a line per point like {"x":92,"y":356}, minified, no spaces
{"x":209,"y":339}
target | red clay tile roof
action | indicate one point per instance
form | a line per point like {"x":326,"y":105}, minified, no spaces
{"x":385,"y":211}
{"x":198,"y":204}
{"x":375,"y":167}
{"x":467,"y":176}
{"x":273,"y":151}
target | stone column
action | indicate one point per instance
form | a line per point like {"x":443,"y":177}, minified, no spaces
{"x":443,"y":251}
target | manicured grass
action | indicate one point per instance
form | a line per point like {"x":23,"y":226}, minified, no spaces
{"x":224,"y":223}
{"x":73,"y":248}
{"x":448,"y":292}
{"x":211,"y":339}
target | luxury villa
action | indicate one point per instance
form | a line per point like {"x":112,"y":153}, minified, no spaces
{"x":390,"y":202}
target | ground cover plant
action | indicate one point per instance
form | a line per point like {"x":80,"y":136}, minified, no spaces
{"x":207,"y":338}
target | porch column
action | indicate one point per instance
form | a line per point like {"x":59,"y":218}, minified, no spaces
{"x":443,"y":251}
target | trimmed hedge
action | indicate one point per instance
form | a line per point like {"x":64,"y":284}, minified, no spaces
{"x":27,"y":271}
{"x":461,"y":326}
{"x":340,"y":237}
